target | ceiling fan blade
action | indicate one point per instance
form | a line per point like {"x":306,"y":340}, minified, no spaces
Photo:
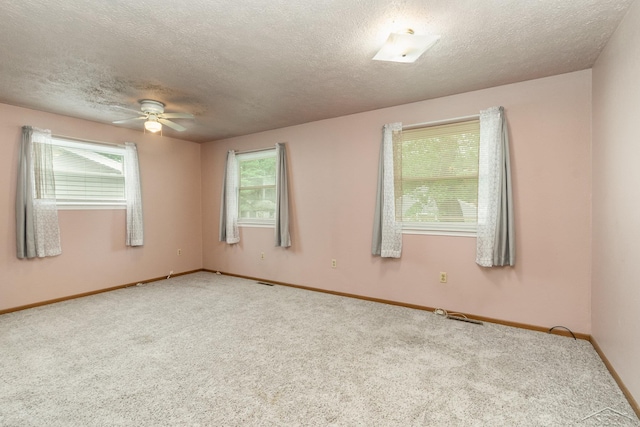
{"x":177,"y":116}
{"x":127,"y":109}
{"x":132,"y":119}
{"x":172,"y":125}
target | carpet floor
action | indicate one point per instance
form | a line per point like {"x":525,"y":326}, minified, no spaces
{"x":214,"y":350}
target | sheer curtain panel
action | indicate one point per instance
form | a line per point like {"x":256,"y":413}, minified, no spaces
{"x":229,"y":204}
{"x":283,"y":238}
{"x":495,"y":235}
{"x":133,"y":195}
{"x":37,"y":230}
{"x":387,"y":232}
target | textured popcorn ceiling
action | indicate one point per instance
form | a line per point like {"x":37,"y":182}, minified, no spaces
{"x":252,"y":65}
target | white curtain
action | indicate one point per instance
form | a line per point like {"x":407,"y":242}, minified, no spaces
{"x":37,"y":230}
{"x":495,"y":236}
{"x":283,"y":238}
{"x":229,"y":204}
{"x":387,"y":232}
{"x":135,"y":224}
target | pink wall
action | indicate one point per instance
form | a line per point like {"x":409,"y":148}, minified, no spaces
{"x":333,"y":167}
{"x":94,"y":254}
{"x":616,"y":201}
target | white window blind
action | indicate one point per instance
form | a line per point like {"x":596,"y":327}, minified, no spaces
{"x":436,"y":177}
{"x":257,"y":187}
{"x":88,"y":174}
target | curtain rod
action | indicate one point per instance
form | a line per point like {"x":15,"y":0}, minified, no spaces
{"x":254,"y":151}
{"x":87,"y":140}
{"x":441,"y":122}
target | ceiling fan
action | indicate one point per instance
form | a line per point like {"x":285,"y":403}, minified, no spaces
{"x":152,"y":112}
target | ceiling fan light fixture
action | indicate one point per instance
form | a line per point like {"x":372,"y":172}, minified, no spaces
{"x":405,"y":47}
{"x":153,"y":126}
{"x":153,"y":115}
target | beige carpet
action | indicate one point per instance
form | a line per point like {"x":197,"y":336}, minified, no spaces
{"x":211,"y":350}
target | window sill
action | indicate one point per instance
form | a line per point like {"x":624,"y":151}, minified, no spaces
{"x":257,"y":224}
{"x":88,"y":206}
{"x":442,"y":230}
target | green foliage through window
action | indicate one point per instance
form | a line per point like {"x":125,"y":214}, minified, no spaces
{"x":436,"y":174}
{"x":257,"y":189}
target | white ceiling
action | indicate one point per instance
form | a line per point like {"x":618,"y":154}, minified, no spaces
{"x":251,"y":65}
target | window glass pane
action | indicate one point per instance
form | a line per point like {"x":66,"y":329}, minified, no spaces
{"x":257,"y":190}
{"x":88,"y":173}
{"x":436,"y":173}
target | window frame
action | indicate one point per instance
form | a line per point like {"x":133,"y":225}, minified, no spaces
{"x":454,"y":229}
{"x":254,"y":155}
{"x":61,"y":141}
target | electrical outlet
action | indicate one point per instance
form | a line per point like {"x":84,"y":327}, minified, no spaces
{"x":179,"y":252}
{"x":262,"y":255}
{"x":443,"y":277}
{"x":334,"y":263}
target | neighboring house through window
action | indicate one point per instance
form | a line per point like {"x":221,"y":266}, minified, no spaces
{"x":88,"y":175}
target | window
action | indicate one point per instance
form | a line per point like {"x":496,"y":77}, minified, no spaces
{"x":436,"y":178}
{"x":87,"y":174}
{"x":257,"y":187}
